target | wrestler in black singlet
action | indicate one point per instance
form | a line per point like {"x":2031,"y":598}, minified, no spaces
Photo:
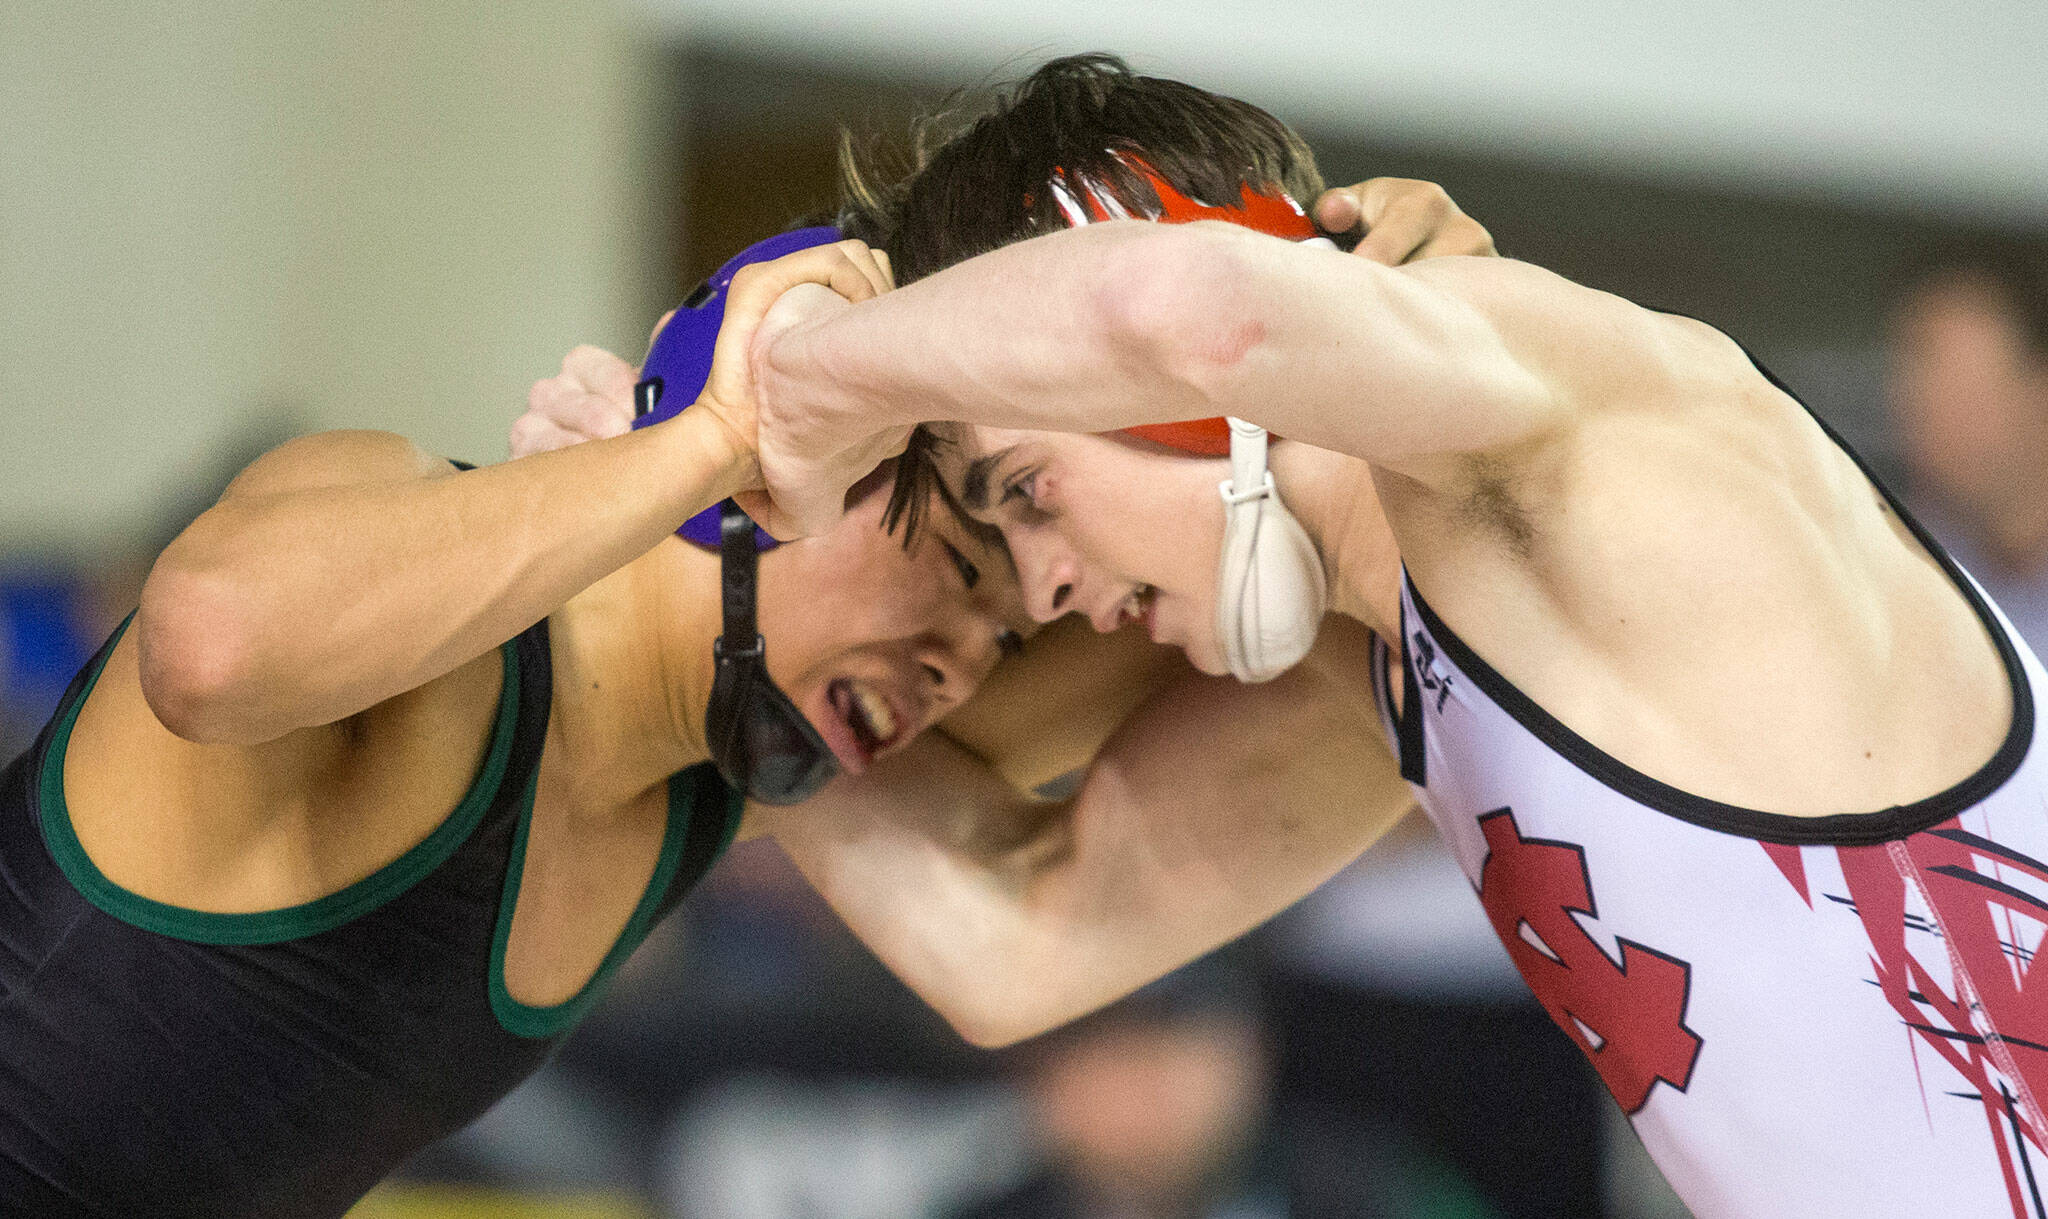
{"x":158,"y":1061}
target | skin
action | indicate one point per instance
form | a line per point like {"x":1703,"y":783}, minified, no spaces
{"x":1010,"y":914}
{"x":279,"y":763}
{"x":1536,"y":447}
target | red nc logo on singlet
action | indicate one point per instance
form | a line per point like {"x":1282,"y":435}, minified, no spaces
{"x":1629,"y":1017}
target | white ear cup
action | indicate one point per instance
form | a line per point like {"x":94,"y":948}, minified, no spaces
{"x":1271,"y":587}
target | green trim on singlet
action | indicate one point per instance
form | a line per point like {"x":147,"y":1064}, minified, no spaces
{"x":546,"y":1020}
{"x":290,"y":922}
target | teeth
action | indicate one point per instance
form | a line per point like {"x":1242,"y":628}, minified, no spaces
{"x":876,"y":710}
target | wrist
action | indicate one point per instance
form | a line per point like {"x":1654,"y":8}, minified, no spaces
{"x":802,"y":368}
{"x":709,"y":459}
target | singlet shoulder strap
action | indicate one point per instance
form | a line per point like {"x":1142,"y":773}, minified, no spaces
{"x":290,"y":922}
{"x":703,"y":816}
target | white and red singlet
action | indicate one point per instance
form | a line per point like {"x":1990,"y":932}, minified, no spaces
{"x":1803,"y":1017}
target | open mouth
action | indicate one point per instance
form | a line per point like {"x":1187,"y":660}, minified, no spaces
{"x":1138,"y":607}
{"x":867,"y":714}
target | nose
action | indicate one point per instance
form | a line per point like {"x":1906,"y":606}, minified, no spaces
{"x":953,"y":661}
{"x":948,"y":679}
{"x":1048,"y":570}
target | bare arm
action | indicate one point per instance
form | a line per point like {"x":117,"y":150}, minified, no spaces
{"x":344,"y":568}
{"x":1400,"y":366}
{"x":1203,"y":817}
{"x":1048,"y":711}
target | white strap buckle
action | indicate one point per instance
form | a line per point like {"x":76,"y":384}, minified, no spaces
{"x":1235,"y":497}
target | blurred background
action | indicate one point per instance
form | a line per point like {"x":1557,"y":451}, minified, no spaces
{"x":224,"y":223}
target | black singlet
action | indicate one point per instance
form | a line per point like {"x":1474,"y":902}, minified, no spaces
{"x":167,"y":1062}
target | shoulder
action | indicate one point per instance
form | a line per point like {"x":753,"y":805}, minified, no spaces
{"x":268,"y":825}
{"x":1596,"y":344}
{"x":342,"y":458}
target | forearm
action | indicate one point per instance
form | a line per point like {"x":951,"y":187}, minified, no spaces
{"x":304,"y":597}
{"x":1047,"y":712}
{"x":928,"y":858}
{"x":1120,"y":324}
{"x":1206,"y":815}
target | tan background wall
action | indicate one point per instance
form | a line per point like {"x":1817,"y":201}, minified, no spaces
{"x":222,"y":221}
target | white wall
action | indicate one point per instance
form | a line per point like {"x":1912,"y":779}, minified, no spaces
{"x":374,"y":215}
{"x":1940,"y":103}
{"x":398,"y":214}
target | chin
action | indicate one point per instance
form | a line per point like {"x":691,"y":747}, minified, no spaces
{"x":1207,"y":658}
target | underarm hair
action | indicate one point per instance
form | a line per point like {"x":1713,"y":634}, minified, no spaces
{"x":1490,"y":501}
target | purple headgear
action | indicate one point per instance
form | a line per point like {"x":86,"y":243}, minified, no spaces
{"x":680,"y":361}
{"x":761,"y":743}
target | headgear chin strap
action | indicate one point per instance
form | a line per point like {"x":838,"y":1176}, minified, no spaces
{"x":1271,"y":589}
{"x":759,"y":740}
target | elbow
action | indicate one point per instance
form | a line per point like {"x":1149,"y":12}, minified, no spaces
{"x":1175,"y":301}
{"x":997,"y":1030}
{"x":990,"y":1008}
{"x":194,"y":654}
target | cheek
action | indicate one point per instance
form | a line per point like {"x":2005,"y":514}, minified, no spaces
{"x":1169,"y":540}
{"x":823,"y":611}
{"x":813,"y":610}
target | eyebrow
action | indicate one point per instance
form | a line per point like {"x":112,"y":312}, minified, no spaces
{"x":974,"y":485}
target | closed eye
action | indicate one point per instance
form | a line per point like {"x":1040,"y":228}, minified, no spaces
{"x":970,"y":575}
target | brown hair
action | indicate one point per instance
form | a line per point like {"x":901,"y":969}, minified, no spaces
{"x":981,"y":172}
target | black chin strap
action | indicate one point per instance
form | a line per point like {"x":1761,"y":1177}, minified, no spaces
{"x":762,"y":744}
{"x":739,"y":563}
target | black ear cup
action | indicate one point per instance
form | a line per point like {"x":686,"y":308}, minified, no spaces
{"x":761,"y":743}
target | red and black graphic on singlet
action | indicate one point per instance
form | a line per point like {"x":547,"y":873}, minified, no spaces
{"x":1980,"y":910}
{"x":1628,"y":1016}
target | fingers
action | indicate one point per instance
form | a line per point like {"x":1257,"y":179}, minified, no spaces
{"x":1401,"y":216}
{"x":600,"y":372}
{"x":582,"y":415}
{"x":848,"y":267}
{"x":1405,"y":220}
{"x":1460,"y":234}
{"x":536,"y":434}
{"x":590,"y":399}
{"x":872,"y":266}
{"x":1339,"y":210}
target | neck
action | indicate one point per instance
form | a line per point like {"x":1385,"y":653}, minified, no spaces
{"x":1333,"y":497}
{"x":632,"y":672}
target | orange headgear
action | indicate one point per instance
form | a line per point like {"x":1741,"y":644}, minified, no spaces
{"x":1272,"y":212}
{"x":1271,"y":588}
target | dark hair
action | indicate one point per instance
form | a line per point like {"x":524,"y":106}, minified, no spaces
{"x":981,"y":174}
{"x":2015,"y":269}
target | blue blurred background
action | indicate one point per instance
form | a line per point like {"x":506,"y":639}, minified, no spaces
{"x":223,"y":224}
